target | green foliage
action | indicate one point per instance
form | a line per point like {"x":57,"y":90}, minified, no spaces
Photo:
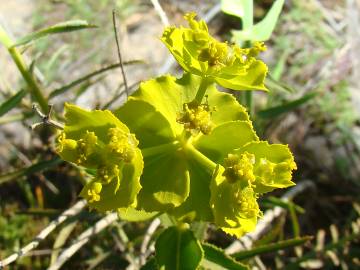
{"x":12,"y":102}
{"x":178,"y":249}
{"x":62,"y":27}
{"x":243,"y":9}
{"x":216,"y":259}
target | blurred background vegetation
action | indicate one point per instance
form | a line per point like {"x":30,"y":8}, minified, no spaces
{"x":313,"y":105}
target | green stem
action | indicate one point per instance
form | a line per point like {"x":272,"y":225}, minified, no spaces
{"x":202,"y":90}
{"x":159,"y":149}
{"x":34,"y":89}
{"x":200,"y":157}
{"x":248,"y":101}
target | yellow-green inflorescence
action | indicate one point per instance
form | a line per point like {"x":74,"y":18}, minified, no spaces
{"x":165,"y":150}
{"x":196,"y":117}
{"x":101,"y":142}
{"x":201,"y":54}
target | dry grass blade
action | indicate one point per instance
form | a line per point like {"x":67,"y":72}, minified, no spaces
{"x":74,"y":210}
{"x":83,"y":239}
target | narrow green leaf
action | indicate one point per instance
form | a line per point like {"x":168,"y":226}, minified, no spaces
{"x":294,"y":220}
{"x":273,"y":201}
{"x":12,"y":102}
{"x":47,"y":212}
{"x":61,"y":240}
{"x":62,"y":27}
{"x":240,"y":8}
{"x":276,"y":86}
{"x":67,"y":87}
{"x":178,"y":249}
{"x":42,"y":165}
{"x":12,"y":118}
{"x":287,"y":107}
{"x":242,"y":255}
{"x":262,"y":30}
{"x":214,"y":255}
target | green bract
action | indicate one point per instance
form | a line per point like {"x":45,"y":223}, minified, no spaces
{"x":200,"y":54}
{"x":176,"y":176}
{"x":180,"y":158}
{"x":98,"y":140}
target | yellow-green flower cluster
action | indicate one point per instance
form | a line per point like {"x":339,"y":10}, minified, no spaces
{"x":165,"y":150}
{"x":98,"y":140}
{"x":247,"y":172}
{"x":228,"y":65}
{"x":196,"y":117}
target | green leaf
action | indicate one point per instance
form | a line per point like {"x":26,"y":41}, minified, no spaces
{"x":240,"y":8}
{"x":178,"y":249}
{"x":287,"y":107}
{"x":62,"y":27}
{"x":262,"y":30}
{"x":196,"y":206}
{"x":158,"y":193}
{"x":61,"y":239}
{"x":150,"y":126}
{"x":281,"y":245}
{"x":12,"y":102}
{"x":216,"y":259}
{"x":272,"y":201}
{"x":133,"y":215}
{"x":72,"y":84}
{"x":225,"y":138}
{"x":37,"y":167}
{"x":253,"y":79}
{"x":277,"y":86}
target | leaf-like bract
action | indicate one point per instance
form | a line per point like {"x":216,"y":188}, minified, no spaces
{"x":99,"y":140}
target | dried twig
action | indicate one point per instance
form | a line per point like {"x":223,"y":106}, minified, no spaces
{"x":74,"y":210}
{"x":119,"y":54}
{"x":150,"y":231}
{"x":82,"y":239}
{"x":247,"y":240}
{"x":46,"y":118}
{"x":161,"y":12}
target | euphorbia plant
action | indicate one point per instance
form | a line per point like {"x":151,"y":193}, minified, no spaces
{"x":180,"y":146}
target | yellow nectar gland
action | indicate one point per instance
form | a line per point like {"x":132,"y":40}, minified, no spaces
{"x":122,"y":144}
{"x":246,"y":203}
{"x":239,"y":168}
{"x":107,"y":173}
{"x":86,"y":146}
{"x":93,"y":193}
{"x":196,"y":118}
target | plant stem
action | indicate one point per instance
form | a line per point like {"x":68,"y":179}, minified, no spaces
{"x":34,"y":89}
{"x":248,"y":101}
{"x":163,"y":148}
{"x":248,"y":95}
{"x":202,"y":89}
{"x":200,"y":157}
